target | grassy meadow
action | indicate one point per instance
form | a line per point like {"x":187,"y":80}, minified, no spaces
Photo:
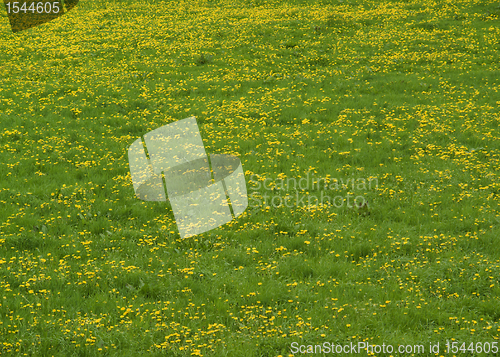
{"x":404,"y":95}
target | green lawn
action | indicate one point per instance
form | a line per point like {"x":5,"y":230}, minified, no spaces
{"x":393,"y":102}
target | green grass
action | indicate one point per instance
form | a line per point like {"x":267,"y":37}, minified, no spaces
{"x":404,"y":93}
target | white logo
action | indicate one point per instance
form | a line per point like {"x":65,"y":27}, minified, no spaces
{"x":201,"y":198}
